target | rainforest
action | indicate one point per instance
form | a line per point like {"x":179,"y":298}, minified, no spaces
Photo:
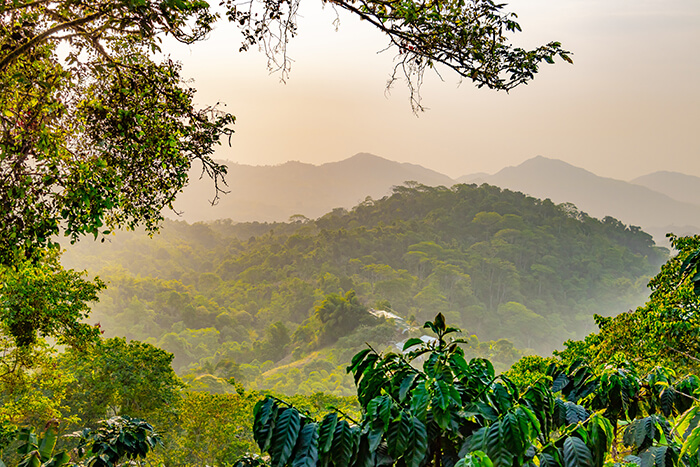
{"x":448,"y":326}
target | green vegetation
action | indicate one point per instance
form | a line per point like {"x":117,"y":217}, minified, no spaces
{"x":284,"y":306}
{"x":95,"y":136}
{"x":429,"y":405}
{"x":459,"y":413}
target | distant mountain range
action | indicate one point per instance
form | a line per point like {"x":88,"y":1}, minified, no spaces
{"x":274,"y":193}
{"x":655,"y":210}
{"x":659,"y":202}
{"x":678,"y":186}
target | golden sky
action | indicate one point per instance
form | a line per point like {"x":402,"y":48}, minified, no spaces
{"x":628,"y":106}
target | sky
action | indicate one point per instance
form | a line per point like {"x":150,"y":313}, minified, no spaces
{"x":628,"y":106}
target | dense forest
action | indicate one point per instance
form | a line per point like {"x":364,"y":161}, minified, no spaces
{"x":284,"y":306}
{"x":221,"y":344}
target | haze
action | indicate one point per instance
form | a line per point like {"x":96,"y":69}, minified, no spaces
{"x":628,"y":106}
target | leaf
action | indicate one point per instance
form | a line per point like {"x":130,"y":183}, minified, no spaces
{"x":306,"y":450}
{"x":418,"y":444}
{"x":374,"y":437}
{"x":398,"y":435}
{"x":575,"y":413}
{"x":385,"y":410}
{"x":496,"y":448}
{"x":326,"y":432}
{"x":285,"y":436}
{"x":475,"y":459}
{"x":48,"y":442}
{"x":560,"y":382}
{"x":441,"y":394}
{"x":691,"y":443}
{"x":406,"y":385}
{"x":265,"y":412}
{"x":357,"y":358}
{"x":343,"y":444}
{"x":419,"y":401}
{"x":666,"y":400}
{"x":413,"y":341}
{"x":576,"y":453}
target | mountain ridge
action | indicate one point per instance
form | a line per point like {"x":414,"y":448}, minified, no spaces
{"x":275,"y":193}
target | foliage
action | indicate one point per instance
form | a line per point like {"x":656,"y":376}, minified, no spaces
{"x":41,"y":299}
{"x":39,"y":452}
{"x":471,"y":38}
{"x":664,"y":331}
{"x":211,"y":429}
{"x":104,"y":137}
{"x":339,"y":316}
{"x":454,"y":412}
{"x":118,"y":377}
{"x":118,"y":438}
{"x":410,"y":416}
{"x":32,"y":386}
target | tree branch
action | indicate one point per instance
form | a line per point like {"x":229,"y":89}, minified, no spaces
{"x":36,"y":40}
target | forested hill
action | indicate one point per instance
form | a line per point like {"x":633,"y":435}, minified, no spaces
{"x":497,"y":263}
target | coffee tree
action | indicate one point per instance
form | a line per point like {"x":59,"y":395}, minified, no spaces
{"x":429,"y":406}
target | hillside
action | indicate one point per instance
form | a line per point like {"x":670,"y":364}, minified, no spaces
{"x":242,"y":299}
{"x":274,"y":193}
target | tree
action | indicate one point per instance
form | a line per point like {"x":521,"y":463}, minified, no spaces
{"x":458,"y":413}
{"x":121,"y":378}
{"x":339,"y":316}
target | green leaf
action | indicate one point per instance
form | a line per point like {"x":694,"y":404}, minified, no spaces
{"x":496,"y":448}
{"x":412,"y":342}
{"x":441,"y":394}
{"x":475,"y":459}
{"x":306,"y":450}
{"x":48,"y":443}
{"x":419,"y":401}
{"x":666,"y":401}
{"x":285,"y":436}
{"x":265,"y":412}
{"x":575,"y":453}
{"x":418,"y":444}
{"x":326,"y":432}
{"x":691,"y":443}
{"x":343,"y":444}
{"x":398,"y":435}
{"x":406,"y":385}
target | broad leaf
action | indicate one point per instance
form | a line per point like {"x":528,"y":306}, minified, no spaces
{"x":575,"y":453}
{"x":306,"y":450}
{"x":285,"y":436}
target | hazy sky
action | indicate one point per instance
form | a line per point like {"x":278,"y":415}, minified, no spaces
{"x":629,"y":105}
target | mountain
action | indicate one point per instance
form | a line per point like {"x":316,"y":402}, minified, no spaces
{"x":660,"y":202}
{"x":494,"y":262}
{"x":600,"y":196}
{"x":274,"y":193}
{"x":678,"y":186}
